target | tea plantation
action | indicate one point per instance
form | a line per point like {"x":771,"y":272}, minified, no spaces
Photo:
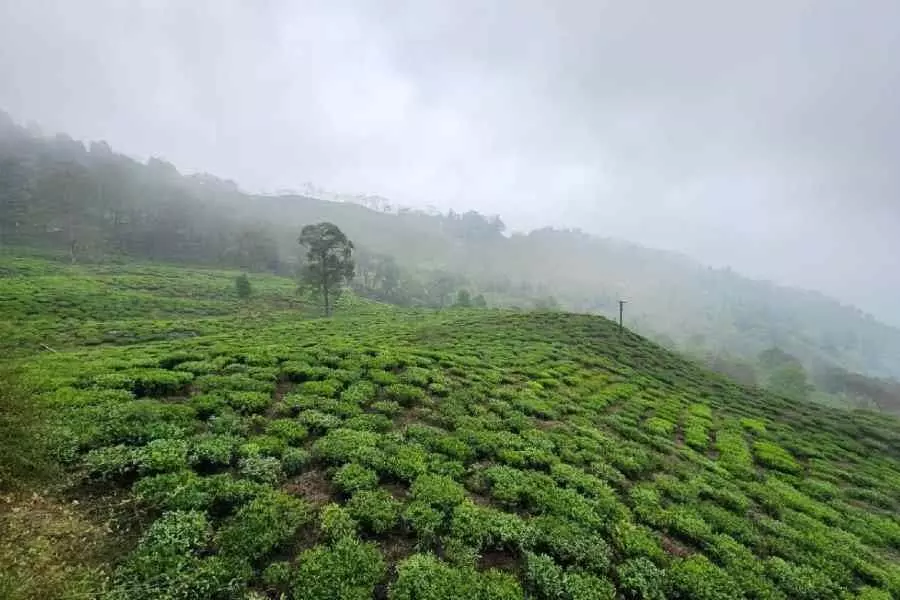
{"x":232,"y":449}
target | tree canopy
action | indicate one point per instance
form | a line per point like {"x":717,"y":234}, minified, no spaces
{"x":329,"y":261}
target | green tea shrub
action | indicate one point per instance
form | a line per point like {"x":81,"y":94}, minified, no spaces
{"x":376,"y":510}
{"x":169,"y":562}
{"x":775,"y":457}
{"x":360,"y":393}
{"x":404,"y":394}
{"x":800,"y":581}
{"x":211,"y":450}
{"x":262,"y":445}
{"x":262,"y":469}
{"x":336,"y":523}
{"x":318,"y":422}
{"x":111,"y":462}
{"x":369,"y":422}
{"x":425,"y":521}
{"x":345,"y":570}
{"x":138,"y":422}
{"x":440,"y":492}
{"x":639,"y":579}
{"x":248,"y":402}
{"x":354,"y":477}
{"x":294,"y":461}
{"x":545,"y":579}
{"x":145,"y":382}
{"x":388,"y":408}
{"x":423,"y":576}
{"x":298,"y":371}
{"x":181,"y":490}
{"x":588,"y":586}
{"x":696,"y":578}
{"x":633,"y":540}
{"x":207,"y":405}
{"x":269,"y":521}
{"x":341,"y":446}
{"x":570,"y":544}
{"x":162,"y":456}
{"x":234,"y":382}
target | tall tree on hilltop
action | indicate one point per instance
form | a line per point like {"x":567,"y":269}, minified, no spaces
{"x":329,"y":261}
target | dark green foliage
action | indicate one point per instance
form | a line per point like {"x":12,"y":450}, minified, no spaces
{"x":169,"y":563}
{"x":336,"y":522}
{"x":640,"y":579}
{"x":354,"y":477}
{"x":329,"y":261}
{"x":696,"y":578}
{"x":242,"y":286}
{"x":346,"y":570}
{"x":268,"y":522}
{"x":376,"y":510}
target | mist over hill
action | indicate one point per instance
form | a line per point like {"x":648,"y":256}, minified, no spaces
{"x":94,"y":203}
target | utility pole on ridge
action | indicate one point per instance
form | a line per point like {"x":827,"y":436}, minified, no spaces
{"x":621,"y":311}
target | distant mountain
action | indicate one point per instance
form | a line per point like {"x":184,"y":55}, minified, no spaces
{"x":92,"y":202}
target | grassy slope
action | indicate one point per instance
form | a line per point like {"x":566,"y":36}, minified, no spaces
{"x":545,"y":452}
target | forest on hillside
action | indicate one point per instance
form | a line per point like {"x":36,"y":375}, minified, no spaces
{"x":91,"y":203}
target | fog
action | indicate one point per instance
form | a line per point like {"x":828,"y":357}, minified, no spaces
{"x":764,"y":136}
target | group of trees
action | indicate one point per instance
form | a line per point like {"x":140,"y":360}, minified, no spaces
{"x":91,"y":202}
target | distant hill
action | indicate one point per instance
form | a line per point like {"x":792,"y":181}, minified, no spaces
{"x":92,"y":203}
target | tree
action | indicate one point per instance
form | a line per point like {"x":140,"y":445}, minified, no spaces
{"x":242,"y":286}
{"x":463,"y":298}
{"x":329,"y":261}
{"x":479,"y":301}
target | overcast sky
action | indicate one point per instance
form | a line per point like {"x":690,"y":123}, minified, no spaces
{"x":763,"y":135}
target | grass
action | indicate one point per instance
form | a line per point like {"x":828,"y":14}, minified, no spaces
{"x":389,"y":453}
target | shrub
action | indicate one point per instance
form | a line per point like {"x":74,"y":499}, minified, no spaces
{"x":263,"y":445}
{"x":360,"y":393}
{"x":161,"y":456}
{"x":145,"y":382}
{"x":336,"y":522}
{"x":212,"y":450}
{"x":288,"y":430}
{"x":354,"y":477}
{"x":263,"y":525}
{"x":545,"y":578}
{"x":294,"y":460}
{"x":422,"y":576}
{"x":376,"y":510}
{"x":695,"y":578}
{"x":341,"y":446}
{"x":640,"y":579}
{"x":775,"y":457}
{"x":182,"y":490}
{"x":387,"y":407}
{"x":586,"y":586}
{"x":438,"y":491}
{"x":801,"y":581}
{"x":168,"y":563}
{"x":424,"y":520}
{"x":346,"y":570}
{"x":571,"y":544}
{"x":369,"y":422}
{"x":248,"y":402}
{"x":263,"y":469}
{"x":404,"y":394}
{"x":112,"y":462}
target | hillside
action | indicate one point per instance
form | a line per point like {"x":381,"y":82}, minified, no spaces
{"x":93,"y":203}
{"x":408,"y":454}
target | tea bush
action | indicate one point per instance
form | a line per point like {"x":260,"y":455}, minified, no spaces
{"x":570,"y":456}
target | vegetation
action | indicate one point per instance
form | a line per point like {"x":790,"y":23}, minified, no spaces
{"x":329,"y":263}
{"x":90,"y":203}
{"x":405,"y":453}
